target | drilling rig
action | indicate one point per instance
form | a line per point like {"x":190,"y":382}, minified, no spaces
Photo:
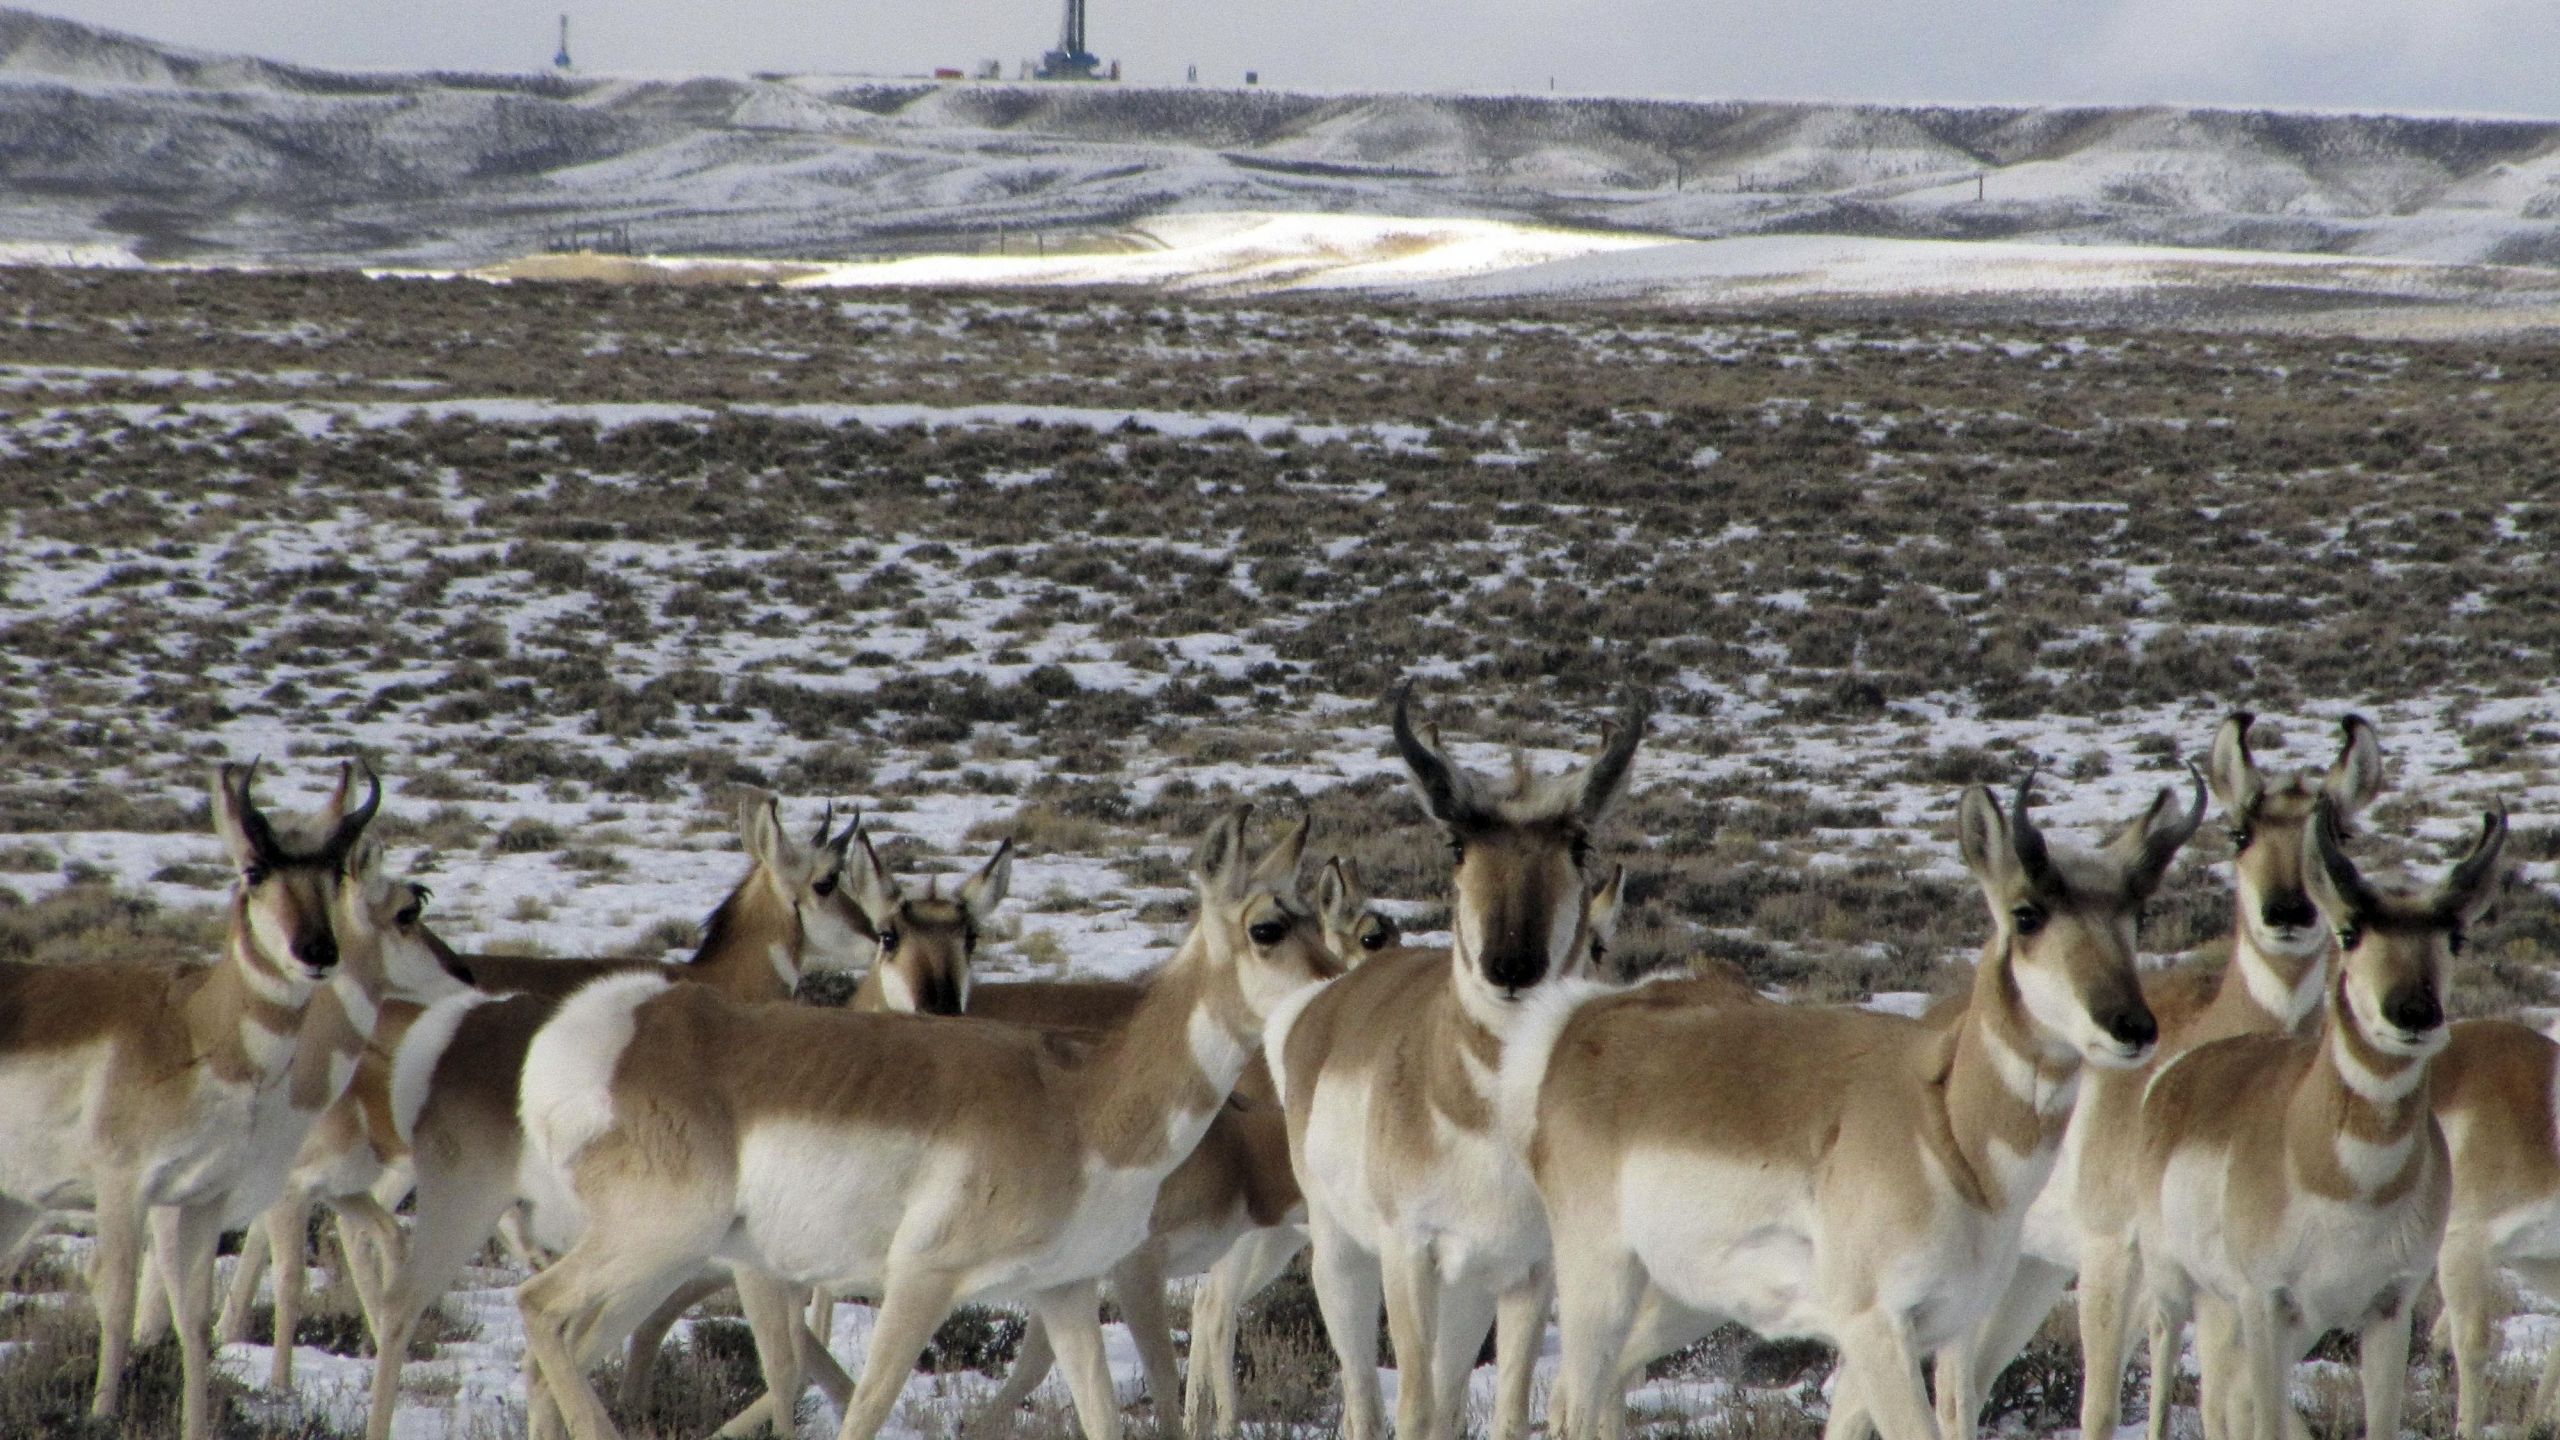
{"x":1071,"y":61}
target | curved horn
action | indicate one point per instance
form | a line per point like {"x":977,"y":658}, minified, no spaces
{"x":2161,"y":841}
{"x":2024,"y":838}
{"x":826,"y":822}
{"x":1443,"y":790}
{"x":842,"y":842}
{"x":255,"y":828}
{"x":1607,"y":776}
{"x":351,"y":826}
{"x":2345,"y":883}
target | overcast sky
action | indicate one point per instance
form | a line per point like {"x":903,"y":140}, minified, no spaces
{"x":2463,"y":55}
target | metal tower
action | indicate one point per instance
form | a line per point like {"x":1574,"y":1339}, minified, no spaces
{"x":1070,"y":61}
{"x":561,"y":60}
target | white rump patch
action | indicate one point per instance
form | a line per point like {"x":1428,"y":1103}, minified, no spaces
{"x":413,"y":1067}
{"x":566,"y":1097}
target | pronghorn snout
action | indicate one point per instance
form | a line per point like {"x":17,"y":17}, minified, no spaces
{"x":941,"y":995}
{"x":2288,"y":910}
{"x":317,"y":951}
{"x":2132,"y":1026}
{"x":2414,"y":1008}
{"x":1514,"y":969}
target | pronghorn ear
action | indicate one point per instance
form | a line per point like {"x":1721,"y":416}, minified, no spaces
{"x":2145,"y":847}
{"x":1333,"y":895}
{"x":1982,"y":833}
{"x":760,"y":828}
{"x":1217,"y":867}
{"x":1278,"y":868}
{"x":364,"y":863}
{"x":1601,"y":911}
{"x":875,"y":890}
{"x":2355,"y":777}
{"x":2474,"y":880}
{"x":985,"y":890}
{"x":244,"y":830}
{"x":2231,"y":770}
{"x":334,"y":809}
{"x":1606,"y":778}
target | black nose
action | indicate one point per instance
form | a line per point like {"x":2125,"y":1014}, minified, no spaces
{"x":1515,"y":970}
{"x":2414,"y":1009}
{"x":317,"y":952}
{"x":941,"y":996}
{"x":2133,"y":1026}
{"x":2290,"y":910}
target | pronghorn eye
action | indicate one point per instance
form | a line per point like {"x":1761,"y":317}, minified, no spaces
{"x":408,"y":915}
{"x":2350,"y":936}
{"x":2241,"y":835}
{"x":1268,"y":932}
{"x":253,"y":876}
{"x":2028,"y":918}
{"x":1457,"y":849}
{"x":1374,"y":940}
{"x":1580,"y":849}
{"x":889,"y":938}
{"x":825,"y":887}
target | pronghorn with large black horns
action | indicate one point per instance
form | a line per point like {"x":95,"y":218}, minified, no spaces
{"x":2292,"y":1185}
{"x":455,"y":1081}
{"x":969,"y":1160}
{"x":1837,"y":1173}
{"x":1388,"y":1080}
{"x":2271,"y":985}
{"x":148,"y":1080}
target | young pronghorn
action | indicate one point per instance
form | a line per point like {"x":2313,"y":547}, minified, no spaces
{"x":1388,"y":1082}
{"x":2494,"y":1089}
{"x":341,"y":1057}
{"x":922,"y":1160}
{"x":2294,"y":1185}
{"x":1231,"y":1210}
{"x":2272,"y":984}
{"x":1830,"y":1172}
{"x":139,"y":1086}
{"x":455,"y":1081}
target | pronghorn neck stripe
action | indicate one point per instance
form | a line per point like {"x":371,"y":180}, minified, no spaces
{"x":2289,"y":1002}
{"x":2377,"y":1079}
{"x":1158,"y":1080}
{"x":259,"y":974}
{"x":751,"y":944}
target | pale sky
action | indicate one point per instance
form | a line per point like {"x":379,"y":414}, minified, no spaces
{"x":2432,"y":55}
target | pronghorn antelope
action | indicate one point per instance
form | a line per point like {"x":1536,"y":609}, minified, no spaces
{"x":921,"y":1160}
{"x":925,"y":943}
{"x":455,"y":1081}
{"x":1388,"y":1083}
{"x":1232,"y":1209}
{"x":2496,"y":1088}
{"x":338,"y":1067}
{"x":2272,"y":984}
{"x":1844,"y":1174}
{"x":2293,"y":1185}
{"x":138,"y":1086}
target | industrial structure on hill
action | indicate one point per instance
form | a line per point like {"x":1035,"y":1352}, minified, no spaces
{"x":1071,"y":60}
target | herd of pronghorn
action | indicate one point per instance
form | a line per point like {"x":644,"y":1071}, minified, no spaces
{"x":1469,"y":1137}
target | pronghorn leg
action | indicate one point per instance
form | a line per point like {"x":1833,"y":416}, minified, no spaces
{"x":2165,"y":1326}
{"x":1031,"y":1365}
{"x":1348,"y":1294}
{"x":589,"y":1300}
{"x":288,"y":1227}
{"x":916,"y":1302}
{"x":2110,"y":1274}
{"x":1413,"y":1315}
{"x":456,"y":1211}
{"x":232,"y":1326}
{"x":514,"y":1233}
{"x":1597,"y":1299}
{"x":1520,"y":1326}
{"x":641,"y":1359}
{"x":1138,"y":1284}
{"x":1967,"y":1369}
{"x":19,"y":1223}
{"x":1209,"y":1407}
{"x":1876,"y":1358}
{"x":2467,"y":1277}
{"x":114,"y":1272}
{"x":1848,"y":1411}
{"x":2383,"y":1359}
{"x":2544,"y":1276}
{"x":1458,"y":1329}
{"x":2219,"y":1375}
{"x":178,"y":1234}
{"x":1071,"y":1314}
{"x":370,"y":1239}
{"x":1662,"y":1325}
{"x":152,"y":1297}
{"x":773,"y":1309}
